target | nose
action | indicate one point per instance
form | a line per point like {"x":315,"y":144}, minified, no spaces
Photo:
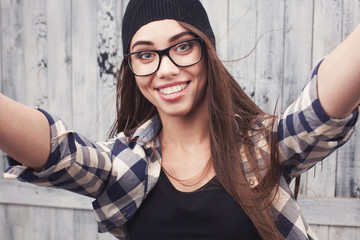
{"x":167,"y":68}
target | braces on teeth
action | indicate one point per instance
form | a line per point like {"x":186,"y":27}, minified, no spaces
{"x":173,"y":90}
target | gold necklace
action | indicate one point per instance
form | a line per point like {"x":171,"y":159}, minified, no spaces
{"x":199,"y":179}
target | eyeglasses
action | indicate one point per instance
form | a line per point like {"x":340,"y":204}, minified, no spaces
{"x":182,"y":54}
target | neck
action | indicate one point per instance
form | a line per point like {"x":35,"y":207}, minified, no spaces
{"x":186,"y":132}
{"x":185,"y":146}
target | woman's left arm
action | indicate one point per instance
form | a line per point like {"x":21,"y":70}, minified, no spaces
{"x":339,"y":78}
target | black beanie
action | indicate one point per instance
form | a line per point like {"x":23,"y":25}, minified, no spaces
{"x":141,"y":12}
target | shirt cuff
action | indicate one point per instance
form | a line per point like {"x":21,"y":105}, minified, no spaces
{"x":58,"y":131}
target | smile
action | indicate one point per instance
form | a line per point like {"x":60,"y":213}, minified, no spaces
{"x":173,"y":90}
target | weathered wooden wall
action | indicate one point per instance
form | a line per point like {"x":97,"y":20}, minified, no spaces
{"x":60,"y":55}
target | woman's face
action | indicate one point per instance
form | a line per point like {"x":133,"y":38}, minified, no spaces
{"x":175,"y":91}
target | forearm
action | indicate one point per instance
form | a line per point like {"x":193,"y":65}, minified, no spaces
{"x":339,"y":78}
{"x":24,"y":133}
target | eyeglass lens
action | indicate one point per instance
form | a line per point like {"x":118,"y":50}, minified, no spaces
{"x":183,"y":54}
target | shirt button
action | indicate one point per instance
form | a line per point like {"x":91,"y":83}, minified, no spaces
{"x":251,"y":182}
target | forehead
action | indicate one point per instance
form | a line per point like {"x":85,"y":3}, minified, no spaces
{"x":158,"y":31}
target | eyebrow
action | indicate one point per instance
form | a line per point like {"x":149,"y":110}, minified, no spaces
{"x":172,"y":39}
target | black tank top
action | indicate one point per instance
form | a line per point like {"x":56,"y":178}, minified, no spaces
{"x":208,"y":213}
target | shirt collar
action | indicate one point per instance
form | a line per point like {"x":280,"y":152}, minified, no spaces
{"x":147,"y":131}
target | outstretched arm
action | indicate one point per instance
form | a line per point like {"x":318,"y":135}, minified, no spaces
{"x":339,"y":78}
{"x":24,"y":133}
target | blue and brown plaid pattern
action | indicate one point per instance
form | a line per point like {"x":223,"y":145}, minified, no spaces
{"x":120,"y":172}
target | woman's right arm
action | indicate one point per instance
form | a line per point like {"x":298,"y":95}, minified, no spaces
{"x":24,"y":133}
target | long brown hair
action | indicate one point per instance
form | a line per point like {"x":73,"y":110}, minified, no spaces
{"x":234,"y":120}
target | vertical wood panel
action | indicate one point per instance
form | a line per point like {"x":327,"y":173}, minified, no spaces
{"x":39,"y":223}
{"x":2,"y":164}
{"x":297,"y":48}
{"x":35,"y":53}
{"x":348,"y":169}
{"x":336,"y":233}
{"x":16,"y":226}
{"x":84,"y":67}
{"x":13,"y":49}
{"x":269,"y":53}
{"x":348,"y":164}
{"x":12,"y":85}
{"x":242,"y":40}
{"x":3,"y":219}
{"x":218,"y":16}
{"x":60,"y":58}
{"x":109,"y":57}
{"x":327,"y":34}
{"x":322,"y":232}
{"x":297,"y":53}
{"x":85,"y":225}
{"x":62,"y":219}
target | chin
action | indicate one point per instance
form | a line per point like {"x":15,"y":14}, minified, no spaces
{"x":175,"y":112}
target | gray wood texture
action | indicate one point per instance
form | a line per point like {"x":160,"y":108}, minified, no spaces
{"x":61,"y":55}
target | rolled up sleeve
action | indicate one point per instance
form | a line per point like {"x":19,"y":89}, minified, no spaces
{"x":75,"y":163}
{"x":306,"y":134}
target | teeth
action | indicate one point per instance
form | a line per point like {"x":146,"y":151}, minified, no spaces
{"x":173,"y":90}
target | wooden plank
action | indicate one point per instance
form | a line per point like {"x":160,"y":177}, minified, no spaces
{"x":60,"y":59}
{"x":348,"y":169}
{"x":322,"y":232}
{"x":219,"y":23}
{"x":2,"y":220}
{"x":13,"y":192}
{"x":297,"y":48}
{"x":16,"y":226}
{"x":35,"y":53}
{"x":348,"y":165}
{"x":109,"y":55}
{"x":62,"y":219}
{"x":84,"y":67}
{"x":327,"y":34}
{"x":269,"y":53}
{"x":336,"y":233}
{"x":242,"y":41}
{"x":85,"y":225}
{"x":3,"y":164}
{"x":12,"y":55}
{"x":46,"y":223}
{"x":351,"y":16}
{"x":39,"y":223}
{"x":12,"y":49}
{"x":331,"y":211}
{"x":297,"y":55}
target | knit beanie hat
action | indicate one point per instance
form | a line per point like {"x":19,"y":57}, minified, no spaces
{"x":141,"y":12}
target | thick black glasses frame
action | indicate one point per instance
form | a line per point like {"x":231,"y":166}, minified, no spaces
{"x":165,"y":52}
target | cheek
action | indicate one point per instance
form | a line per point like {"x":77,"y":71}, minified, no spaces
{"x":144,"y":85}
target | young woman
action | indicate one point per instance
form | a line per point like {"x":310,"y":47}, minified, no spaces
{"x":192,"y":156}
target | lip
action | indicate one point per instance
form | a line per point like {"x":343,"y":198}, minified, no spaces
{"x":170,"y":84}
{"x":173,"y":97}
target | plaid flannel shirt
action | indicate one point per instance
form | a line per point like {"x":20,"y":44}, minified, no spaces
{"x":120,"y":172}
